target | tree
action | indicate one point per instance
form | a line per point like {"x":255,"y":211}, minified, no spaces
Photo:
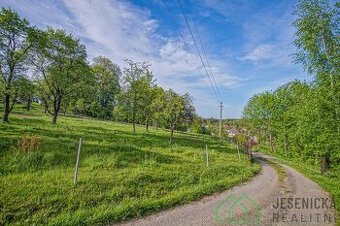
{"x":188,"y":111}
{"x":61,"y":69}
{"x":106,"y":88}
{"x":15,"y":41}
{"x":259,"y":110}
{"x":149,"y":95}
{"x":241,"y":140}
{"x":157,"y":107}
{"x":173,"y":111}
{"x":317,"y":40}
{"x":318,"y":43}
{"x":130,"y":100}
{"x":25,"y":90}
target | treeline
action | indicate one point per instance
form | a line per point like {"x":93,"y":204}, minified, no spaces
{"x":301,"y":119}
{"x":50,"y":67}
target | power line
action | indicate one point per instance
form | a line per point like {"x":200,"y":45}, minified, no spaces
{"x":198,"y":51}
{"x":178,"y":31}
{"x":205,"y":54}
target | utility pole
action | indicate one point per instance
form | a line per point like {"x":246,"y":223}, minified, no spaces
{"x":220,"y":132}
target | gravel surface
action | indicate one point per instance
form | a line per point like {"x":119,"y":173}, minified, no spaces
{"x":253,"y":203}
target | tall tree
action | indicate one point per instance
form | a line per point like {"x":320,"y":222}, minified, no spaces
{"x":130,"y":100}
{"x":173,"y":111}
{"x":61,"y":68}
{"x":188,"y":111}
{"x":149,"y":95}
{"x":260,"y":109}
{"x":318,"y":43}
{"x":107,"y":75}
{"x":157,"y":107}
{"x":16,"y":37}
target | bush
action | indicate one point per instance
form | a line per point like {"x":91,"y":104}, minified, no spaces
{"x":29,"y":143}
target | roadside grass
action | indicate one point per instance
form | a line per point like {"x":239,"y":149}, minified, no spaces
{"x":329,"y":182}
{"x":121,"y":175}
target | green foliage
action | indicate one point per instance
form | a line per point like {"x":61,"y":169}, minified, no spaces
{"x":15,"y":42}
{"x":173,"y":110}
{"x":61,"y":69}
{"x":137,"y":81}
{"x":188,"y":112}
{"x":103,"y":99}
{"x":64,"y":82}
{"x":121,"y":175}
{"x":318,"y":43}
{"x":199,"y":126}
{"x":302,"y":119}
{"x":25,"y":91}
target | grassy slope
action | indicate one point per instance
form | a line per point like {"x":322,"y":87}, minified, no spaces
{"x":330,"y":182}
{"x":121,"y":175}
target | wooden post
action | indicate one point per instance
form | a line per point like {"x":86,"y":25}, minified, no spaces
{"x":238,"y":151}
{"x":250,"y":154}
{"x":207,"y":155}
{"x":77,"y":163}
{"x":324,"y":165}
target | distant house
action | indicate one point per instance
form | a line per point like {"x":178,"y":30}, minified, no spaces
{"x":232,"y":132}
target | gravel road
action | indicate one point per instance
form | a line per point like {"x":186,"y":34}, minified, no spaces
{"x":302,"y":202}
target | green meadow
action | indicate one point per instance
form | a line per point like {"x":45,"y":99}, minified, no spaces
{"x":121,"y":174}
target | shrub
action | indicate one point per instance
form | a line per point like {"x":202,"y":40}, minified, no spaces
{"x":29,"y":143}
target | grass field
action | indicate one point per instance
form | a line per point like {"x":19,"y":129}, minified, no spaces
{"x":121,"y":175}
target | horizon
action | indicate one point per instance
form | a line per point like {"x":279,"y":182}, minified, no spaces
{"x":248,"y":44}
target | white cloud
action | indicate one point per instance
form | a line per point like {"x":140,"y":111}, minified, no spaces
{"x":261,"y":52}
{"x":119,"y":29}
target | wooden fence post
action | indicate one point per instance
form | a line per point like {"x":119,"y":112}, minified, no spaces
{"x":324,"y":164}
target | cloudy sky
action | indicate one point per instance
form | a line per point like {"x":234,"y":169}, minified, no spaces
{"x":247,"y":42}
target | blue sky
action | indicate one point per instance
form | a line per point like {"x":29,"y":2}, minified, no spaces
{"x":248,"y":42}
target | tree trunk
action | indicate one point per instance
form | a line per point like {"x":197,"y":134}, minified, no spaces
{"x":250,"y":154}
{"x":134,"y":126}
{"x":147,"y":124}
{"x":324,"y":164}
{"x":134,"y":120}
{"x":334,"y":96}
{"x":28,"y":104}
{"x":171,"y":133}
{"x":54,"y":117}
{"x":56,"y":109}
{"x":7,"y":108}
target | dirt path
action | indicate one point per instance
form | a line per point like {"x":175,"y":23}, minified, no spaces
{"x":253,"y":204}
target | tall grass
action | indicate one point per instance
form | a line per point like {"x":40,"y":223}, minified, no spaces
{"x":121,"y":175}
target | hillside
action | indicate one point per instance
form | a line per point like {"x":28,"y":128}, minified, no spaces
{"x":121,"y":174}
